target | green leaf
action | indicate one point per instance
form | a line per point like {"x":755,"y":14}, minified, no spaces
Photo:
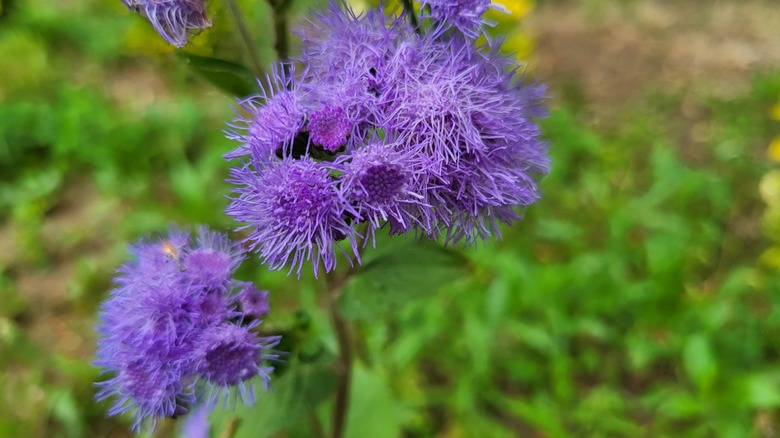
{"x":225,"y":75}
{"x":373,"y":410}
{"x":412,"y":271}
{"x":699,"y":361}
{"x":762,"y":390}
{"x":288,"y":404}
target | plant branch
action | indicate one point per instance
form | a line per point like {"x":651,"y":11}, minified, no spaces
{"x":246,"y":37}
{"x":344,"y":364}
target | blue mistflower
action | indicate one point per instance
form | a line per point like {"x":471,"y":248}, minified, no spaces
{"x":174,"y":20}
{"x":171,"y":302}
{"x":426,"y":133}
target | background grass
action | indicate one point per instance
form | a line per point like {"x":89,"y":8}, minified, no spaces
{"x":639,"y":297}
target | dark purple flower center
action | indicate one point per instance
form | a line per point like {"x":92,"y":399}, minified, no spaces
{"x":329,"y":128}
{"x":382,"y":183}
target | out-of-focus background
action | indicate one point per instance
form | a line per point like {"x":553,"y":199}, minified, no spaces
{"x":639,"y":298}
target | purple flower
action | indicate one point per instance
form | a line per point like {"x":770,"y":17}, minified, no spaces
{"x":294,"y":211}
{"x":212,"y":262}
{"x":380,"y":180}
{"x":340,"y":46}
{"x":253,"y":302}
{"x":174,"y":20}
{"x":269,"y":124}
{"x":228,"y":355}
{"x":329,"y":128}
{"x":168,"y":303}
{"x":429,"y":134}
{"x":464,"y":15}
{"x":467,"y":113}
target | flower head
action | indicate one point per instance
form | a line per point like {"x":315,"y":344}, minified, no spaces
{"x":380,"y":182}
{"x":228,"y":355}
{"x":253,"y":302}
{"x":464,"y":15}
{"x":293,"y":210}
{"x":329,"y":128}
{"x":174,"y":20}
{"x":173,"y":297}
{"x":270,"y":123}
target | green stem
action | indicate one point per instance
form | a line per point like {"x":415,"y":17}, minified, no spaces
{"x":344,"y":364}
{"x":230,"y":428}
{"x":279,"y":8}
{"x":246,"y":37}
{"x":409,"y":8}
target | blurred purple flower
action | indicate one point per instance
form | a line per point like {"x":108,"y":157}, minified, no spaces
{"x":252,"y":302}
{"x":464,"y":15}
{"x":197,"y":424}
{"x":228,"y":355}
{"x":170,"y":302}
{"x":174,"y":20}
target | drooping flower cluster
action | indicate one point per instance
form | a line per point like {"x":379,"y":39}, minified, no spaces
{"x":430,"y":134}
{"x":464,"y":15}
{"x":175,"y":333}
{"x":174,"y":20}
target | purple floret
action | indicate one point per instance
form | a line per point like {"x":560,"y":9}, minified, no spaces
{"x":380,"y":181}
{"x":329,"y":128}
{"x":174,"y":20}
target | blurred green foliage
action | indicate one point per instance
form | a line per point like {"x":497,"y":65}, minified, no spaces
{"x":629,"y":302}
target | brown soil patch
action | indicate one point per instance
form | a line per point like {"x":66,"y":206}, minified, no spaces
{"x":616,"y":52}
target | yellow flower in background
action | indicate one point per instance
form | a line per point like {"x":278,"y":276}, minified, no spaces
{"x":519,"y":43}
{"x":773,"y":151}
{"x":775,"y":111}
{"x":769,"y":188}
{"x":518,"y":9}
{"x":359,"y":6}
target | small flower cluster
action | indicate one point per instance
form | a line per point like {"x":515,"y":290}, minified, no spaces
{"x":179,"y":331}
{"x":464,"y":15}
{"x":174,"y":20}
{"x":424,"y":132}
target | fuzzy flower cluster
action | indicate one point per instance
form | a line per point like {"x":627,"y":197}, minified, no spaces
{"x":174,"y":20}
{"x":426,"y":133}
{"x":179,"y":331}
{"x":464,"y":15}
